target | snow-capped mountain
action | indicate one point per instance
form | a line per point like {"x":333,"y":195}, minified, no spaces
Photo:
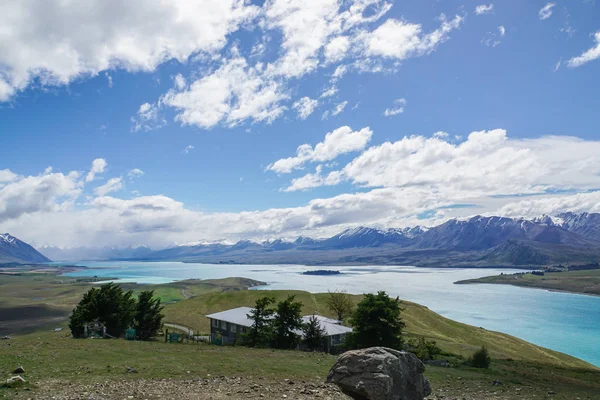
{"x":365,"y":237}
{"x":15,"y":250}
{"x":479,"y":240}
{"x":479,"y":233}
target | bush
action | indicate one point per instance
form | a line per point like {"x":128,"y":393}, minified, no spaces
{"x":424,"y":349}
{"x":480,"y":359}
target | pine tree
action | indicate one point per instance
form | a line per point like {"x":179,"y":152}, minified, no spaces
{"x":314,"y":334}
{"x":261,"y":331}
{"x":286,"y":323}
{"x":148,"y":316}
{"x":377,"y":322}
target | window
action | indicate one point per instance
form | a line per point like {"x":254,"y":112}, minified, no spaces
{"x":215,"y":323}
{"x":223,"y":325}
{"x":232,"y":327}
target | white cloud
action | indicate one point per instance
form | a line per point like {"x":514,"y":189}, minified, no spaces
{"x":33,"y":194}
{"x":180,"y":82}
{"x":402,"y":40}
{"x":135,"y":173}
{"x":7,"y":175}
{"x":57,"y":41}
{"x":188,"y":148}
{"x":397,"y":109}
{"x":310,"y":25}
{"x":305,"y":106}
{"x":484,"y":9}
{"x":339,"y":108}
{"x":501,"y":30}
{"x":98,"y":167}
{"x":440,"y":135}
{"x":557,"y":65}
{"x":589,"y":55}
{"x":434,"y":175}
{"x":148,"y":118}
{"x":232,"y":94}
{"x":488,"y":163}
{"x":340,"y":141}
{"x":337,"y":48}
{"x":546,"y":11}
{"x":309,"y":181}
{"x":109,"y":80}
{"x":580,"y":202}
{"x":330,"y":91}
{"x":112,"y":185}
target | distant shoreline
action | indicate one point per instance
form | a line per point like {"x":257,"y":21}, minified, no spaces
{"x":585,"y":282}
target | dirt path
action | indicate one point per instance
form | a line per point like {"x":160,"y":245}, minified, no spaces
{"x":184,"y":294}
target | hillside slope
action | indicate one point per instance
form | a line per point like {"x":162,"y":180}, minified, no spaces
{"x":452,"y":336}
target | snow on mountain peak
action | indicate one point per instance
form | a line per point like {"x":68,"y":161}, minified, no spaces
{"x":8,"y":238}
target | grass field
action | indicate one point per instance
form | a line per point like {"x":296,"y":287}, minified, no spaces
{"x":585,"y":282}
{"x":34,"y":300}
{"x":68,"y":366}
{"x":49,"y":357}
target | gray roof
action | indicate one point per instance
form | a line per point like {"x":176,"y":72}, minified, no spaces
{"x":331,"y":326}
{"x":239,"y":316}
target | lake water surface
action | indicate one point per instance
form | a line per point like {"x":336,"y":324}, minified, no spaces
{"x":565,"y":322}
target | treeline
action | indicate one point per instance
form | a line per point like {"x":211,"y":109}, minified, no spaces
{"x":376,"y":321}
{"x":116,"y":310}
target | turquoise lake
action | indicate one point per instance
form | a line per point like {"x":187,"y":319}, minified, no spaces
{"x":565,"y":322}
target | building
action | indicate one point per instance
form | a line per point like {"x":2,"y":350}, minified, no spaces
{"x":226,"y":327}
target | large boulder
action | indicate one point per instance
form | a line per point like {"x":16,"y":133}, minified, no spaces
{"x":379,"y":373}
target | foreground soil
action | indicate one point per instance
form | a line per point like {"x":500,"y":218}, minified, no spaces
{"x":254,"y":388}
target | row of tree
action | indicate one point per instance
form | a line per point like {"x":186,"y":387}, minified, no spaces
{"x":376,"y":321}
{"x":118,"y":311}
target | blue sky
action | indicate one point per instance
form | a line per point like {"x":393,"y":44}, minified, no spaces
{"x":137,"y":85}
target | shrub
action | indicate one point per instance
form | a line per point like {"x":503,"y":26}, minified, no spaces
{"x":480,"y":359}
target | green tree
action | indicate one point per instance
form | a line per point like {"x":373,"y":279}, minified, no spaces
{"x":314,"y":334}
{"x":481,"y":358}
{"x":377,"y":322}
{"x":340,"y":303}
{"x":287,"y":321}
{"x":260,"y":333}
{"x":83,"y":313}
{"x":109,"y":305}
{"x":148,"y":315}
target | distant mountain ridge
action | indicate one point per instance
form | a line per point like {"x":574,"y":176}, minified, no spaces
{"x":475,"y":241}
{"x":13,"y":250}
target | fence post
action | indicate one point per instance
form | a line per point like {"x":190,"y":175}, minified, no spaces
{"x":166,"y":335}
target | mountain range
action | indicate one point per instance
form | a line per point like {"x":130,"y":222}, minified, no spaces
{"x":476,"y":241}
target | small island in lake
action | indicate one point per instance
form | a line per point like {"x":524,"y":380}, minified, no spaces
{"x":322,"y":272}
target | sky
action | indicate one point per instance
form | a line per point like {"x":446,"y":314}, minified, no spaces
{"x":168,"y":122}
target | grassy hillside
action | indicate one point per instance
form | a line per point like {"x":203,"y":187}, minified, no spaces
{"x":35,"y":299}
{"x":452,"y":336}
{"x":585,"y":282}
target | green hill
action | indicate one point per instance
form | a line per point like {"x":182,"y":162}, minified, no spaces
{"x":452,"y":336}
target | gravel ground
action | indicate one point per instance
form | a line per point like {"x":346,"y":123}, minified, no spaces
{"x":196,"y":389}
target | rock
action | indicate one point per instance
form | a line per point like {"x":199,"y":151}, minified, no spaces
{"x":15,"y":379}
{"x":5,"y":338}
{"x":131,"y":370}
{"x":497,"y":383}
{"x":19,"y":370}
{"x":379,"y":373}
